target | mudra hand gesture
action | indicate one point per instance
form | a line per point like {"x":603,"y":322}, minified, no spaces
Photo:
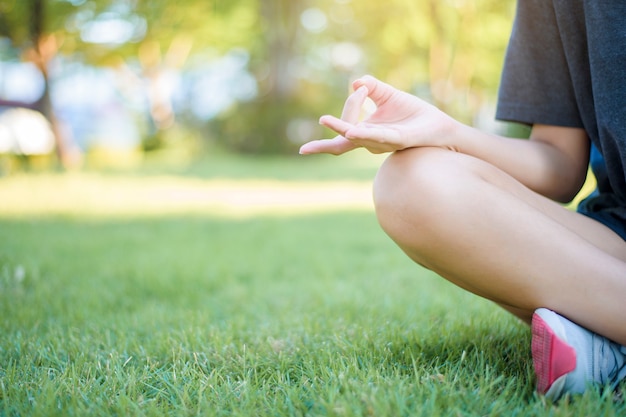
{"x":400,"y":121}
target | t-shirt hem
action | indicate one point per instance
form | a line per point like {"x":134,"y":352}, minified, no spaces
{"x":534,"y":114}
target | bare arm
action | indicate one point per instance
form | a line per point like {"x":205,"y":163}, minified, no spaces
{"x":553,"y":162}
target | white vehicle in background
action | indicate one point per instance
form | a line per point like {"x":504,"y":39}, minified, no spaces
{"x":25,"y":132}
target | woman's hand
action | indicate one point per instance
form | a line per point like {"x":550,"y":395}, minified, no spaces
{"x":400,"y":121}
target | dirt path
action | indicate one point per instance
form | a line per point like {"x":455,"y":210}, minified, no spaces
{"x":101,"y":195}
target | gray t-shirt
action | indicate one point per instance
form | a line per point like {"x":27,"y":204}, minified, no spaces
{"x":566,"y":66}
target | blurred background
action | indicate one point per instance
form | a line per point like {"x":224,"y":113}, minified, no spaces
{"x":116,"y":82}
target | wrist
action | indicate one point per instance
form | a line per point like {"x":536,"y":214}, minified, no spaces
{"x":455,"y":134}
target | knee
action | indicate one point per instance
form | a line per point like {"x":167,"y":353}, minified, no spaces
{"x":417,"y":188}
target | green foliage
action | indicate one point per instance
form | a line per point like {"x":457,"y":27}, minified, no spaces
{"x":259,"y":127}
{"x":14,"y":20}
{"x":270,"y":126}
{"x":303,"y":53}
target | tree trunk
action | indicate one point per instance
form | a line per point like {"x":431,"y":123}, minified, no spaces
{"x":44,"y":49}
{"x":281,"y":18}
{"x":439,"y":58}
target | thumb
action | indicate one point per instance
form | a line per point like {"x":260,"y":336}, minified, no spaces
{"x":335,"y":146}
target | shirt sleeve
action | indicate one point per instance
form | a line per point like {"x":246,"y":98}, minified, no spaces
{"x":536,"y":86}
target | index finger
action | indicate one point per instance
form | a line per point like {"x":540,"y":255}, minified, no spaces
{"x":338,"y":125}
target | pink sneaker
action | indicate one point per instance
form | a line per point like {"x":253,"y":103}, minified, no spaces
{"x":569,"y":358}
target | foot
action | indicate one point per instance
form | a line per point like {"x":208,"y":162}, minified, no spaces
{"x":569,"y":358}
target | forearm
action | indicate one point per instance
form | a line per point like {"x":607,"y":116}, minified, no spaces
{"x":553,"y":162}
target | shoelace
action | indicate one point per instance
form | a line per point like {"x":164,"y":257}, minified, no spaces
{"x":609,"y":361}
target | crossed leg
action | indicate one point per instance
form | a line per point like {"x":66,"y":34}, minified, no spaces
{"x":479,"y":228}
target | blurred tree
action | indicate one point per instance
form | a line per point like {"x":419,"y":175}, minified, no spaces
{"x":450,"y":52}
{"x":145,"y":40}
{"x":303,"y":53}
{"x":261,"y":126}
{"x":25,"y":23}
{"x":172,"y":34}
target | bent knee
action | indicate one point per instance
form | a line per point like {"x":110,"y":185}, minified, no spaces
{"x":418,"y":185}
{"x":416,"y":172}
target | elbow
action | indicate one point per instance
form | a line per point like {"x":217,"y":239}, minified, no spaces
{"x":564,"y":160}
{"x":567,"y":189}
{"x":565,"y":198}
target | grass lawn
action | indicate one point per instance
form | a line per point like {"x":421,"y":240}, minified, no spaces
{"x":191,"y":309}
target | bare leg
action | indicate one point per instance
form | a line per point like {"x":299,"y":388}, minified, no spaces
{"x":484,"y":231}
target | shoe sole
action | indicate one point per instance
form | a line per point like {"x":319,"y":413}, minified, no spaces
{"x":553,"y":358}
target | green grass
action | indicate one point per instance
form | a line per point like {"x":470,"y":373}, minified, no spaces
{"x":185,"y":314}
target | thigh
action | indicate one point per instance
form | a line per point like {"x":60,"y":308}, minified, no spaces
{"x":593,"y":231}
{"x":431,"y":161}
{"x":486,"y":232}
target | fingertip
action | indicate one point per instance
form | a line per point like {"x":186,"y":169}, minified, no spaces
{"x":363,"y":89}
{"x":349,"y":134}
{"x":304,"y":149}
{"x":364,"y":81}
{"x":327,"y":121}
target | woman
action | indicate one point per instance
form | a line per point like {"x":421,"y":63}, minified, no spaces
{"x":483,"y":210}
